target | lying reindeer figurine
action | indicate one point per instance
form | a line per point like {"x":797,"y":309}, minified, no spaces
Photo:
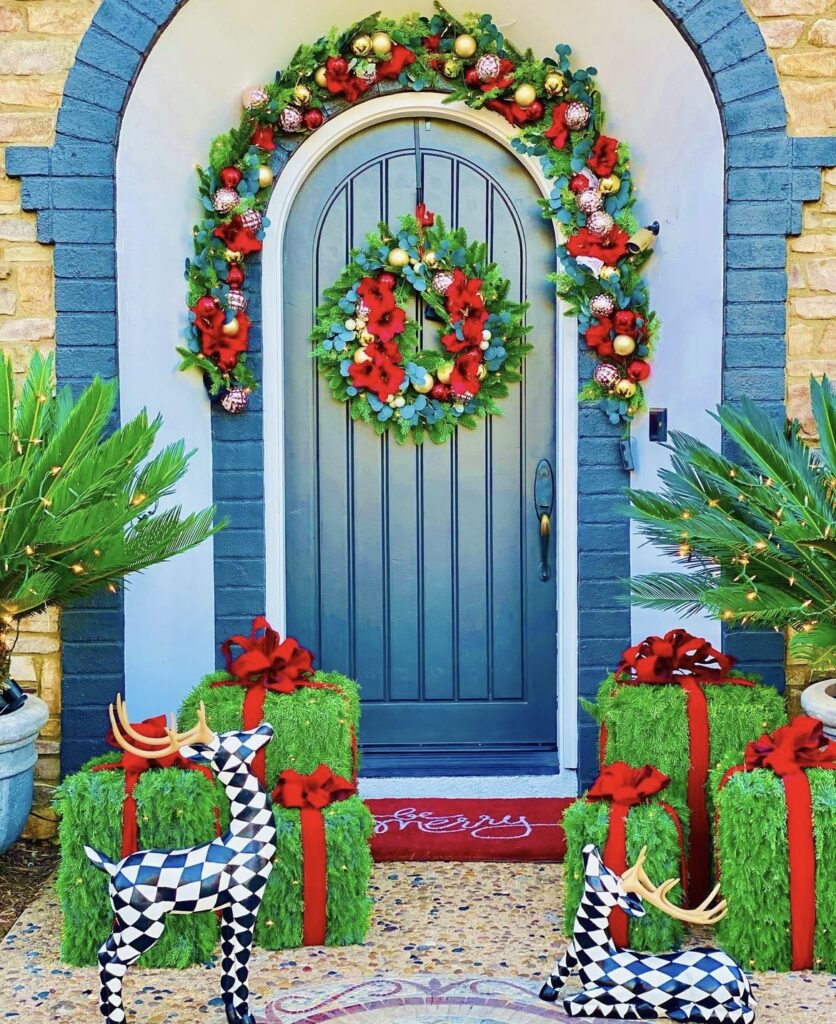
{"x":228,"y":874}
{"x":702,"y":984}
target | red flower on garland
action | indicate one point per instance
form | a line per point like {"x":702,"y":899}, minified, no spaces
{"x":598,"y":337}
{"x":462,"y":293}
{"x":558,"y":132}
{"x":214,"y":344}
{"x":514,"y":113}
{"x":464,"y":380}
{"x":263,"y":137}
{"x":609,"y":250}
{"x":604,"y":156}
{"x":380,"y":376}
{"x":341,"y":80}
{"x":373,"y":289}
{"x":237,"y":237}
{"x":386,"y":320}
{"x":380,"y":349}
{"x":425,"y":217}
{"x":431,"y":43}
{"x":400,"y":58}
{"x":626,"y":322}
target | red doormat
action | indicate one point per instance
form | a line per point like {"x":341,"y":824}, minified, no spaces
{"x":438,"y":829}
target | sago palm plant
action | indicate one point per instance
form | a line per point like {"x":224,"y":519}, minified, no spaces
{"x":78,"y":505}
{"x":760,"y":534}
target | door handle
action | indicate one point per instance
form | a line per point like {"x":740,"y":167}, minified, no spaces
{"x":544,"y":507}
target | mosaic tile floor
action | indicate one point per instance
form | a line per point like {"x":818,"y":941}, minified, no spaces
{"x":450,"y":944}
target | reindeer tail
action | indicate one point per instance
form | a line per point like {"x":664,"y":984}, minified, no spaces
{"x":100,"y":861}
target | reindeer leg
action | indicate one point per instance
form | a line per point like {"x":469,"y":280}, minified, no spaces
{"x":236,"y":943}
{"x":595,"y":1001}
{"x":567,"y":963}
{"x":121,"y":949}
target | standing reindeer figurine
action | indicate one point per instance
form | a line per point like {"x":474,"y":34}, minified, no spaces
{"x":702,"y":984}
{"x":227,"y":874}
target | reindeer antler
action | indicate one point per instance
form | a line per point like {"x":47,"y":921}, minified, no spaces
{"x":635,"y":880}
{"x":201,"y":733}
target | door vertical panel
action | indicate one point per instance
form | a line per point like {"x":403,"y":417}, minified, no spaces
{"x":438,"y":572}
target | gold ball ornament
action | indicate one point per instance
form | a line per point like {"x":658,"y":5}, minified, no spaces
{"x":232,"y":256}
{"x":361,"y":356}
{"x":382,"y":44}
{"x":367,"y":337}
{"x":464,"y":46}
{"x":265,"y":176}
{"x":430,"y":258}
{"x":554,"y":83}
{"x":482,"y":372}
{"x":608,"y":273}
{"x":443,"y":373}
{"x":609,"y":185}
{"x":625,"y":388}
{"x":232,"y":328}
{"x":398,"y":257}
{"x":320,"y":77}
{"x":525,"y":95}
{"x":452,"y":67}
{"x":302,"y":94}
{"x":623,"y":345}
{"x":361,"y":46}
{"x":426,"y":387}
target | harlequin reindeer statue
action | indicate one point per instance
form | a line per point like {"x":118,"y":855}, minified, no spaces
{"x":701,"y":984}
{"x":228,"y":874}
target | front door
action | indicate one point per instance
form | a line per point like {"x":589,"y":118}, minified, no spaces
{"x":416,"y":570}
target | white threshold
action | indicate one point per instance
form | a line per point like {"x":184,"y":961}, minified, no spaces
{"x":563,"y":784}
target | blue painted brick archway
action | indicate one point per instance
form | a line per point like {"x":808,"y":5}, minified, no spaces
{"x":72,"y":187}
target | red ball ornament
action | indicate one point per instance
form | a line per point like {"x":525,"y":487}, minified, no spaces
{"x":471,"y":78}
{"x":387,"y":280}
{"x":638,"y":370}
{"x":234,"y":276}
{"x":314,"y":119}
{"x":534,"y":110}
{"x":440,"y":392}
{"x":230,"y":177}
{"x":578,"y":183}
{"x":205,"y":306}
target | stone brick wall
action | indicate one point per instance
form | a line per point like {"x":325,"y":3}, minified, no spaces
{"x":38,"y":41}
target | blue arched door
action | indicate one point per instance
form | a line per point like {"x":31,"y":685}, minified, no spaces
{"x":416,"y":570}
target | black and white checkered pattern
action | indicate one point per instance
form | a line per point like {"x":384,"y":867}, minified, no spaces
{"x":228,"y":874}
{"x":692,"y":985}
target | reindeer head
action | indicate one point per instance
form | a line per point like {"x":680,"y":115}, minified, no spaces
{"x":224,"y":751}
{"x":607,"y":884}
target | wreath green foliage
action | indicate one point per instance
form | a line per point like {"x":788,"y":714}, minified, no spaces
{"x":434,"y":252}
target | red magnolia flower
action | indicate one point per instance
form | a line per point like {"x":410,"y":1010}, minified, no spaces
{"x":464,"y":379}
{"x":598,"y":337}
{"x":236,"y":237}
{"x":462,"y":293}
{"x":431,"y":43}
{"x":425,"y":217}
{"x":638,"y":370}
{"x":399,"y":58}
{"x":604,"y":155}
{"x":218,"y":346}
{"x":379,"y":375}
{"x":386,"y":320}
{"x":514,"y":113}
{"x":341,"y":80}
{"x":558,"y":133}
{"x":263,"y":137}
{"x":625,"y":322}
{"x":374,"y":290}
{"x":380,"y":349}
{"x":609,"y":250}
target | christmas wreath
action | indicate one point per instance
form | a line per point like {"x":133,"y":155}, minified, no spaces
{"x":558,"y":114}
{"x":369,"y":349}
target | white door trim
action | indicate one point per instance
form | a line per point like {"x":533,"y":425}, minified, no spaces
{"x":305,"y":158}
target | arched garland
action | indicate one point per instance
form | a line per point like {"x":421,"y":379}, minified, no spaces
{"x":558,"y":113}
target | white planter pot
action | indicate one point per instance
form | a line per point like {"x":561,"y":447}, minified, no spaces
{"x":819,"y":701}
{"x":18,"y":732}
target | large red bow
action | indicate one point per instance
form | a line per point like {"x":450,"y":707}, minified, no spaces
{"x":690,"y":662}
{"x":658,"y":659}
{"x":310,"y":794}
{"x":628,"y":787}
{"x":135,"y":766}
{"x":787,"y":752}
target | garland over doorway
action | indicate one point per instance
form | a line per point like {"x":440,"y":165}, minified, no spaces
{"x":559,"y":118}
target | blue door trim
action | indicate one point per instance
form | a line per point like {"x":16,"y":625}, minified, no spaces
{"x":72,"y":187}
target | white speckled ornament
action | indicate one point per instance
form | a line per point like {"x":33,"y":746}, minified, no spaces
{"x":589,"y":201}
{"x":602,"y":305}
{"x":576,"y":116}
{"x":225,"y":200}
{"x":606,"y":375}
{"x":488,"y":67}
{"x":291,"y":119}
{"x":236,"y":300}
{"x":442,"y":282}
{"x":600,"y":223}
{"x":235,"y":400}
{"x":252,"y":220}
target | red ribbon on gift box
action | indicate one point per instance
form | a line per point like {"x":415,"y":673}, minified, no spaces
{"x":135,"y":766}
{"x":311,"y":794}
{"x":690,"y":662}
{"x":626,"y":787}
{"x":268,"y":663}
{"x":787,"y":752}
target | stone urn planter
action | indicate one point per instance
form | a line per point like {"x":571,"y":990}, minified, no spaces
{"x":819,"y":701}
{"x":18,"y":732}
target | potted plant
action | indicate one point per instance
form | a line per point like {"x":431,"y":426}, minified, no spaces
{"x":78,"y":512}
{"x":759,"y":533}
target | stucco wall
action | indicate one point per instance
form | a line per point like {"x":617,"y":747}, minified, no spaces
{"x":38,"y":39}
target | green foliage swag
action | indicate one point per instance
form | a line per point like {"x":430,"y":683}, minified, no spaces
{"x":647,"y":825}
{"x":754,"y":868}
{"x":759,"y":531}
{"x":420,"y":414}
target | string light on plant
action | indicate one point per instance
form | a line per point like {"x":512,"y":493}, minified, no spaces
{"x":77,"y":569}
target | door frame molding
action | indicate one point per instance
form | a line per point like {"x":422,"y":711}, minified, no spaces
{"x":310,"y":152}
